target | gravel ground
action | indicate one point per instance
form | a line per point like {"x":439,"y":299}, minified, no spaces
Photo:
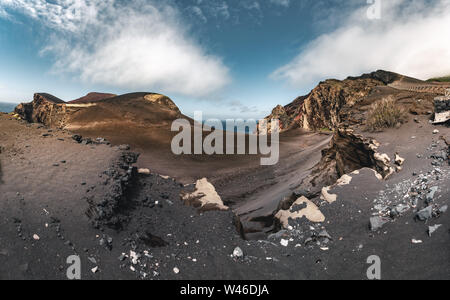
{"x":60,"y":197}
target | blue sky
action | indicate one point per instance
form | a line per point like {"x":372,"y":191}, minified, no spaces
{"x":228,"y":58}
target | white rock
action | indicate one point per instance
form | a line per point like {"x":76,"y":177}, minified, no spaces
{"x":134,"y":257}
{"x":238,"y":252}
{"x":399,"y":160}
{"x":432,"y":229}
{"x":176,"y":270}
{"x":414,"y":241}
{"x":435,"y":131}
{"x":311,"y":212}
{"x":284,"y":243}
{"x":94,"y":270}
{"x":144,"y":171}
{"x":326,"y":196}
{"x":36,"y":237}
{"x":205,"y":193}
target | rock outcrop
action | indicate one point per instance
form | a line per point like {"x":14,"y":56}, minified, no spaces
{"x":45,"y":108}
{"x":442,"y":108}
{"x":204,"y":198}
{"x":346,"y":153}
{"x":321,"y":108}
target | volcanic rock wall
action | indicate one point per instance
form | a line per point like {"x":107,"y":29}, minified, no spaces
{"x":321,"y":108}
{"x":45,"y":109}
{"x":346,"y":153}
{"x":442,"y":104}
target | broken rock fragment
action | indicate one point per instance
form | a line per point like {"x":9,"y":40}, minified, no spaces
{"x":432,"y":229}
{"x":376,"y":223}
{"x":238,"y":253}
{"x":425,"y":213}
{"x":311,"y":212}
{"x":205,"y":197}
{"x":399,"y":161}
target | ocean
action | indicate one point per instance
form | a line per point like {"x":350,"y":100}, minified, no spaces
{"x":7,"y":107}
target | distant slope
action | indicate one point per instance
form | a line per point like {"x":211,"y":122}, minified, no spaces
{"x":93,"y":97}
{"x":440,"y":79}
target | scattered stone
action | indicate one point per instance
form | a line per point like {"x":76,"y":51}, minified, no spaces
{"x":238,"y":253}
{"x":124,"y":147}
{"x":414,"y":241}
{"x":106,"y":242}
{"x":94,"y":270}
{"x":430,"y":195}
{"x":278,"y":235}
{"x":36,"y":237}
{"x":284,"y":243}
{"x":144,"y":171}
{"x":92,"y":260}
{"x":376,"y":223}
{"x":77,"y":138}
{"x":324,"y":234}
{"x":432,"y":229}
{"x":399,"y":161}
{"x":435,"y":131}
{"x":176,"y":270}
{"x":425,"y":213}
{"x":401,"y":208}
{"x":134,"y":257}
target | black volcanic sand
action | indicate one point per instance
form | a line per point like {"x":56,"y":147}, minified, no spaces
{"x":42,"y":195}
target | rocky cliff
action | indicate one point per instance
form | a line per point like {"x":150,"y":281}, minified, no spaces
{"x":45,"y":108}
{"x":322,"y":107}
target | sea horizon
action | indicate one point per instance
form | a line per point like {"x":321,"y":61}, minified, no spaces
{"x":7,"y":107}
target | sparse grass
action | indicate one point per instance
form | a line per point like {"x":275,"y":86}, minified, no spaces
{"x":440,"y":79}
{"x":326,"y":130}
{"x":385,"y":113}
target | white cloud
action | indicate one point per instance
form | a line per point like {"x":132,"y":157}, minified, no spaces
{"x":410,"y":38}
{"x":134,"y":44}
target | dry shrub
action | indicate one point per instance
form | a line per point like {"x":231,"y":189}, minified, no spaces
{"x":385,"y":113}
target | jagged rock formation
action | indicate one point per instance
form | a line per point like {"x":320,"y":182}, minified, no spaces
{"x":321,"y":108}
{"x":107,"y":212}
{"x":45,"y":108}
{"x":347,"y":152}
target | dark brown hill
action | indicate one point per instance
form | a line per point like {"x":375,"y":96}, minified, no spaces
{"x":93,"y":97}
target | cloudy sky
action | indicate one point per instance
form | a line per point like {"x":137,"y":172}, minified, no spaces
{"x":228,"y":58}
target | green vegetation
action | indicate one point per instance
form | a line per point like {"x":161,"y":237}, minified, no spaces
{"x":385,"y":113}
{"x":440,"y":79}
{"x":326,"y":130}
